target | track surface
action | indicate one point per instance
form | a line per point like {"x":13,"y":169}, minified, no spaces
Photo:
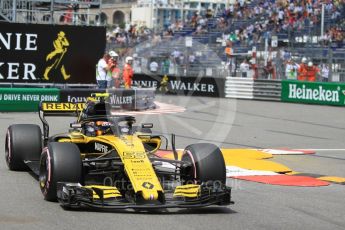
{"x":229,"y":123}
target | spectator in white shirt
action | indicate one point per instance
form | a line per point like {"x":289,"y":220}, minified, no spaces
{"x":102,"y":69}
{"x":154,"y":66}
{"x":244,"y":68}
{"x":291,"y":70}
{"x":324,"y":72}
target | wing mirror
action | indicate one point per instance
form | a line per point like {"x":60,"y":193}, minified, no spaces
{"x":75,"y":125}
{"x":147,"y":125}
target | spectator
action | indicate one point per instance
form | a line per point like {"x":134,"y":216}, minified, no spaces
{"x":154,"y":66}
{"x":244,"y":68}
{"x":128,"y":73}
{"x":291,"y":70}
{"x":229,"y":56}
{"x":102,"y":69}
{"x":114,"y":69}
{"x":324,"y":72}
{"x":302,"y":70}
{"x":270,"y":71}
{"x":176,"y":56}
{"x":312,"y":72}
{"x":165,"y":66}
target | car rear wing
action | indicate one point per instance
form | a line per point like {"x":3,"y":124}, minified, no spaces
{"x":65,"y":110}
{"x":58,"y":110}
{"x":61,"y":109}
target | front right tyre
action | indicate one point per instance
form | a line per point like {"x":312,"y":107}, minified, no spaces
{"x":206,"y":164}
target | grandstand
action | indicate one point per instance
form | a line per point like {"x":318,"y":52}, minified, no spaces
{"x":255,"y":24}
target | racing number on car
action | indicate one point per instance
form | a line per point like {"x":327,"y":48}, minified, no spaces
{"x":134,"y":155}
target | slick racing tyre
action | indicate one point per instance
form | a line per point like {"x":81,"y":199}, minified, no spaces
{"x":207,"y":164}
{"x":23,"y":143}
{"x":60,"y":162}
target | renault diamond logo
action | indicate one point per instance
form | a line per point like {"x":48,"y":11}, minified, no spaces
{"x":148,"y":185}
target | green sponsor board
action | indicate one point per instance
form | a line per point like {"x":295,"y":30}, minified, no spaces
{"x":26,"y":99}
{"x":313,"y":92}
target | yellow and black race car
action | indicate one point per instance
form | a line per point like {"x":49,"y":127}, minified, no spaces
{"x":107,"y":162}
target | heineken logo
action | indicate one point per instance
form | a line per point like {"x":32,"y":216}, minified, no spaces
{"x":315,"y":94}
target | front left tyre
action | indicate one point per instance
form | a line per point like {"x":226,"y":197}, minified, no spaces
{"x":60,"y":162}
{"x":23,"y":143}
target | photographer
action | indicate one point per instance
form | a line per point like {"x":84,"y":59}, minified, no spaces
{"x":114,"y":71}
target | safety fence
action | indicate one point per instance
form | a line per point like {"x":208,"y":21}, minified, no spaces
{"x":28,"y":99}
{"x":142,"y":95}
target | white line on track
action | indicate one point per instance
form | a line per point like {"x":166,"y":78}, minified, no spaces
{"x":321,"y":149}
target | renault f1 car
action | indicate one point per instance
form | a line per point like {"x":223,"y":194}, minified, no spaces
{"x":107,"y":162}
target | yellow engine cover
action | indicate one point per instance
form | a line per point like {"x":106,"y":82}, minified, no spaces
{"x":138,"y":166}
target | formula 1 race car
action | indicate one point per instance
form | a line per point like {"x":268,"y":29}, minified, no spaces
{"x":107,"y":162}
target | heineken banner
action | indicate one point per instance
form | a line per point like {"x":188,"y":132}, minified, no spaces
{"x":33,"y":53}
{"x":189,"y":86}
{"x":26,"y":99}
{"x":313,"y":92}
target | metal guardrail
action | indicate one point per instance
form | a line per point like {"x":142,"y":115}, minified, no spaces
{"x":267,"y":90}
{"x":55,"y":17}
{"x":74,"y":12}
{"x":248,"y":88}
{"x":241,"y":88}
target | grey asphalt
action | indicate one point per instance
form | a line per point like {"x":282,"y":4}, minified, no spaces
{"x":228,"y":123}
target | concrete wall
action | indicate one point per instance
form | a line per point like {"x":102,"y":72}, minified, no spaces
{"x":142,"y":16}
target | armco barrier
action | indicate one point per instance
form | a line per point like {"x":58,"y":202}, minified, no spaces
{"x":248,"y":88}
{"x":241,"y":88}
{"x":269,"y":90}
{"x":132,"y":99}
{"x":26,"y":99}
{"x":313,"y":92}
{"x":128,"y":99}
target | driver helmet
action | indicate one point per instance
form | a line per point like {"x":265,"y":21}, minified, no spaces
{"x":103,"y":127}
{"x":90,"y":129}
